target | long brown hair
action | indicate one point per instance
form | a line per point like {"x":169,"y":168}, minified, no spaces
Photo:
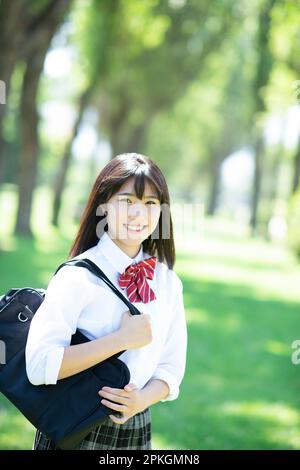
{"x":108,"y":182}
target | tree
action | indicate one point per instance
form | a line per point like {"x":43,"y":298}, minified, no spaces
{"x":11,"y":19}
{"x":263,"y":71}
{"x":35,"y":56}
{"x":296,"y":176}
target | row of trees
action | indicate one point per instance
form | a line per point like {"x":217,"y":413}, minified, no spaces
{"x":187,"y":81}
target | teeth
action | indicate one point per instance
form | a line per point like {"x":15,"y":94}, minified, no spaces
{"x":137,"y":228}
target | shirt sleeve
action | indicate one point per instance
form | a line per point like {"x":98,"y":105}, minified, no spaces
{"x":172,"y":363}
{"x":53,"y":324}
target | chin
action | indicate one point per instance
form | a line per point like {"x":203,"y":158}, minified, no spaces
{"x":135,"y":241}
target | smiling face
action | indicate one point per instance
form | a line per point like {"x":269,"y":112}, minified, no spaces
{"x":131,"y":220}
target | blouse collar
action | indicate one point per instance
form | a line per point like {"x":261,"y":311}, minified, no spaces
{"x":117,"y":257}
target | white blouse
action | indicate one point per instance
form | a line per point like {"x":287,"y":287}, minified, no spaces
{"x":75,"y":298}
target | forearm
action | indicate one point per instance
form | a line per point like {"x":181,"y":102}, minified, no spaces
{"x":154,"y":391}
{"x":82,"y":356}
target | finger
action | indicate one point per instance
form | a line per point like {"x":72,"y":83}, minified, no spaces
{"x":114,"y":406}
{"x":118,"y":420}
{"x":130,"y":387}
{"x":119,"y":392}
{"x":111,"y":396}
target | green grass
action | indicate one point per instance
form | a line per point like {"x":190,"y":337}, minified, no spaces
{"x":242,"y":300}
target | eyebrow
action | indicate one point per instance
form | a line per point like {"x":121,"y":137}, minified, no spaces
{"x":131,"y":194}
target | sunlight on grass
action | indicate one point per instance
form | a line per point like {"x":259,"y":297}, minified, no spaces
{"x":290,"y":436}
{"x":272,"y":412}
{"x":287,"y":419}
{"x":41,"y":211}
{"x":197,"y":315}
{"x":160,"y":443}
{"x":8,"y":201}
{"x":278,"y":348}
{"x":16,"y":431}
{"x":8,"y":205}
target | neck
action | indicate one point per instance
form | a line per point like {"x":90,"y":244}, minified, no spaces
{"x":130,"y":250}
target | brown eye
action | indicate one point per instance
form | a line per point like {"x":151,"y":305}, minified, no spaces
{"x":125,"y":200}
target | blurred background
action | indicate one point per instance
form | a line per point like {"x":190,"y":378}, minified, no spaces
{"x":210,"y":90}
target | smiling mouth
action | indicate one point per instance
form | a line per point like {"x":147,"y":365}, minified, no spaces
{"x":135,"y":228}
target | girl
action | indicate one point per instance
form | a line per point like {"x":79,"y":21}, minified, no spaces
{"x":126,"y":229}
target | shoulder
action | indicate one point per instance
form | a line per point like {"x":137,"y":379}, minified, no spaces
{"x":169,"y":277}
{"x":67,"y":279}
{"x":73,"y":276}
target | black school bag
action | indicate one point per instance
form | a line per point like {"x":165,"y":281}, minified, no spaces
{"x":67,"y":411}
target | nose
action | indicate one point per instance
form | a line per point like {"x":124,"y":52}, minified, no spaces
{"x":138,"y":212}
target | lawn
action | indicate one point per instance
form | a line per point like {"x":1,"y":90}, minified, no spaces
{"x":242,"y":298}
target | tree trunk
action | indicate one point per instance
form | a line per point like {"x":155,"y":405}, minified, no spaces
{"x":29,"y":143}
{"x":12,"y":27}
{"x":29,"y":114}
{"x":116,"y":121}
{"x":65,"y":163}
{"x":263,"y":71}
{"x":256,"y":189}
{"x":219,"y":153}
{"x":215,"y":184}
{"x":275,"y":177}
{"x":296,"y":176}
{"x":137,"y":139}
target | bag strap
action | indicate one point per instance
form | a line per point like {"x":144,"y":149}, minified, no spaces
{"x":94,"y":269}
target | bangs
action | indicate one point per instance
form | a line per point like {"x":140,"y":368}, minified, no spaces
{"x":140,"y":180}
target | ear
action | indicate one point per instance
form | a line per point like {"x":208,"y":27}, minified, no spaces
{"x":103,"y":209}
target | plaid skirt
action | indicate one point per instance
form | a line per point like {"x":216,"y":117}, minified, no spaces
{"x":135,"y":434}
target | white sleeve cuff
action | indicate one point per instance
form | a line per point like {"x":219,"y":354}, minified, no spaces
{"x":170,"y":380}
{"x":53,"y":364}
